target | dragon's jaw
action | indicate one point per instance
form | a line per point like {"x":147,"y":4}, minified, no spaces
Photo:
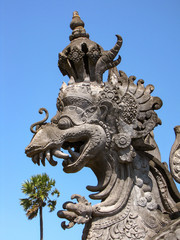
{"x":82,"y":142}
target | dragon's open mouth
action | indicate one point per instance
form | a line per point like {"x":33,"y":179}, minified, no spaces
{"x":74,"y":144}
{"x":75,"y":149}
{"x":82,"y":143}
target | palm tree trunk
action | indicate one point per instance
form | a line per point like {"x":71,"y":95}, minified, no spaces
{"x":41,"y":223}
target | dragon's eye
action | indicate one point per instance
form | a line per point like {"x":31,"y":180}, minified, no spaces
{"x":64,"y":123}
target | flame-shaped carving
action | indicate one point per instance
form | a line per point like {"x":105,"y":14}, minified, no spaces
{"x":175,"y":156}
{"x":106,"y":62}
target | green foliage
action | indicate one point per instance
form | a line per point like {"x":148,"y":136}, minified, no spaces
{"x":38,"y":189}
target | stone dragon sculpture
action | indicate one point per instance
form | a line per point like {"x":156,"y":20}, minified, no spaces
{"x":108,"y":127}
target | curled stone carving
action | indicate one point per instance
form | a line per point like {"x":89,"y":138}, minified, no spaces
{"x":175,"y":156}
{"x":108,"y":127}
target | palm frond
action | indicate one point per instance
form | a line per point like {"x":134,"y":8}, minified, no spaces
{"x":26,"y":203}
{"x":55,"y":191}
{"x":32,"y":212}
{"x":52,"y":205}
{"x":28,"y":187}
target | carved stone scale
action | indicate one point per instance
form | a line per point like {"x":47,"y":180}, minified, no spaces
{"x":108,"y":127}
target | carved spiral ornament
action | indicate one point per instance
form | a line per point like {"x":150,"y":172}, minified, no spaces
{"x":38,"y":124}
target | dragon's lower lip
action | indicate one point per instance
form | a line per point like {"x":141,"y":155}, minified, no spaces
{"x":82,"y":143}
{"x":71,"y":167}
{"x":67,"y":162}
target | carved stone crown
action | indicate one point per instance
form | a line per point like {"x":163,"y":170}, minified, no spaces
{"x":83,"y":59}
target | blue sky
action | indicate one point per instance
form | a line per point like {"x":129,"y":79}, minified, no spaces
{"x":32,"y":34}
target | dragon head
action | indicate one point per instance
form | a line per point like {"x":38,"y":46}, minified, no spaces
{"x":74,"y":128}
{"x":94,"y":118}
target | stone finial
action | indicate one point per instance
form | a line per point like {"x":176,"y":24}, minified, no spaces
{"x":77,"y":25}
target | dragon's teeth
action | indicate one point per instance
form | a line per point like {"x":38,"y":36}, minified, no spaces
{"x":48,"y":155}
{"x":50,"y":159}
{"x":52,"y":162}
{"x":57,"y":153}
{"x":38,"y":160}
{"x":42,"y":158}
{"x":35,"y":158}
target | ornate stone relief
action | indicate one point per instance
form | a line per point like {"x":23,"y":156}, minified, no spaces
{"x":108,"y":127}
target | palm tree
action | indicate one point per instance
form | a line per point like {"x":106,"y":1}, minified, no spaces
{"x":38,"y":189}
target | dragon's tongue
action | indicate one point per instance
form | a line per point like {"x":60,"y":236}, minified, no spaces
{"x":75,"y":155}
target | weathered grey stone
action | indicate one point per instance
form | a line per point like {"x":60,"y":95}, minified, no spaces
{"x":108,"y":127}
{"x":171,"y":232}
